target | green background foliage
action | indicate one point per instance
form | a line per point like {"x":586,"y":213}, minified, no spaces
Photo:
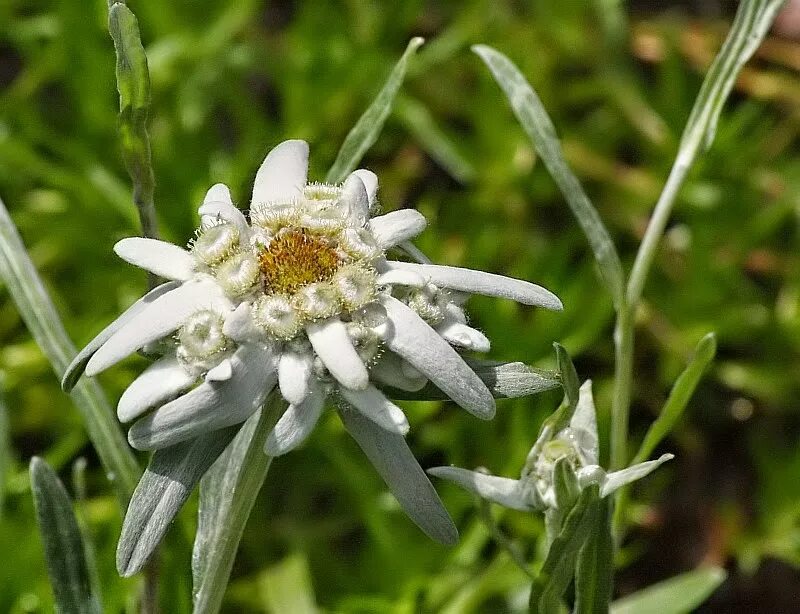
{"x":229,"y":80}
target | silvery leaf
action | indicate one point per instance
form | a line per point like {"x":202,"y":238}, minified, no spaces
{"x":165,"y":485}
{"x":63,"y":544}
{"x":505,"y":380}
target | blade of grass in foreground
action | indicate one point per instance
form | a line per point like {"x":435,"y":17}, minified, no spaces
{"x":677,"y":595}
{"x":679,"y":397}
{"x":365,"y":132}
{"x":40,"y":316}
{"x":63,"y":544}
{"x":540,"y":129}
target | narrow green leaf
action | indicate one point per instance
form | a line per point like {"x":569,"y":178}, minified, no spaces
{"x":569,"y":377}
{"x":505,"y":380}
{"x":63,"y":544}
{"x":362,"y":136}
{"x":540,"y":129}
{"x":227,"y":494}
{"x":750,"y":26}
{"x":559,"y":566}
{"x":679,"y":397}
{"x":418,"y":120}
{"x":133,"y":84}
{"x":594,"y":574}
{"x":287,"y":587}
{"x":678,"y":595}
{"x":567,"y":491}
{"x":166,"y":484}
{"x":565,"y":483}
{"x":40,"y":316}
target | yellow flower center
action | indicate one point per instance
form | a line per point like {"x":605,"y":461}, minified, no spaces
{"x":296,"y":258}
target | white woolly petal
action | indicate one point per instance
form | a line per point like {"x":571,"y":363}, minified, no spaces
{"x":618,"y":479}
{"x":294,"y":374}
{"x":583,"y":425}
{"x":78,"y":364}
{"x":159,"y":257}
{"x":372,"y":404}
{"x":401,"y":278}
{"x":218,"y":205}
{"x":389,"y":371}
{"x":478,"y":282}
{"x":160,"y":318}
{"x":334,"y":347}
{"x":239,"y":324}
{"x":159,"y":382}
{"x":354,"y":197}
{"x":411,"y":338}
{"x":505,"y":491}
{"x":463,"y":336}
{"x":221,"y":373}
{"x":212,"y":405}
{"x":397,"y":226}
{"x":296,"y":424}
{"x":282,"y":175}
{"x":390,"y":455}
{"x":370,"y":181}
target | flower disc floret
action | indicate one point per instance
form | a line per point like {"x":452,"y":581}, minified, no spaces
{"x":238,"y":274}
{"x":277,"y":316}
{"x":215,"y":243}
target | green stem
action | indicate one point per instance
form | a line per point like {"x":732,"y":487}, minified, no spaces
{"x":624,"y":336}
{"x":242,"y":481}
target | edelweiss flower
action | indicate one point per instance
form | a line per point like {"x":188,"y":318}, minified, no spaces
{"x":535,"y":490}
{"x":300,"y":296}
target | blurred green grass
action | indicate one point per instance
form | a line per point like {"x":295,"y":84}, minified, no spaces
{"x":231,"y":79}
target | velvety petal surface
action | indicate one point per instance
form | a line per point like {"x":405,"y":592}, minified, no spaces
{"x":159,"y":257}
{"x":161,"y":381}
{"x":505,"y":491}
{"x":78,"y":364}
{"x":282,"y":175}
{"x":392,"y":458}
{"x":479,"y":282}
{"x":212,"y":405}
{"x":412,"y":339}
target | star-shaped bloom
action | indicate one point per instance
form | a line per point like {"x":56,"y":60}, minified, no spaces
{"x":299,"y":297}
{"x":535,"y":490}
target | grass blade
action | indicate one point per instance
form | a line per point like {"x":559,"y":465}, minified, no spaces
{"x":559,"y":566}
{"x":227,"y":494}
{"x":416,"y":117}
{"x":539,"y":127}
{"x":133,"y":84}
{"x":750,"y":26}
{"x":63,"y":543}
{"x":365,"y":132}
{"x":678,"y":595}
{"x":287,"y":587}
{"x":594,"y":574}
{"x":679,"y":397}
{"x":37,"y":310}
